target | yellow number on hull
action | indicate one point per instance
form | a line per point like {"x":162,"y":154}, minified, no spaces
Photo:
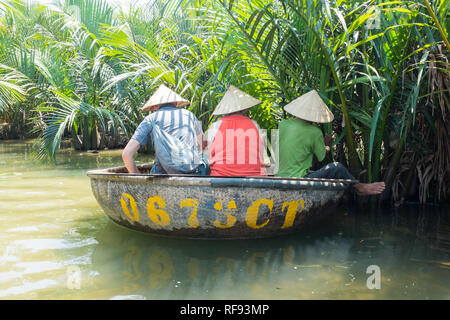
{"x":133,"y":205}
{"x":231,"y":219}
{"x":158,"y":216}
{"x":193,"y":220}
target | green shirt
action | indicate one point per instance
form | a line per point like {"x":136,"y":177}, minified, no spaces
{"x":298,"y":142}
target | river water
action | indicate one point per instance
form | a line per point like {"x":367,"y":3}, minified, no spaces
{"x":56,"y":243}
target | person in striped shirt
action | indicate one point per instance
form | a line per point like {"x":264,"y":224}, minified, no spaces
{"x":169,"y":119}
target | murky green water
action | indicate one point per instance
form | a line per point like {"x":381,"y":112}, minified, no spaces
{"x":56,"y":243}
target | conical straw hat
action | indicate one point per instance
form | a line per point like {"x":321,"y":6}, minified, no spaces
{"x":310,"y":107}
{"x":164,"y":95}
{"x":235,"y":100}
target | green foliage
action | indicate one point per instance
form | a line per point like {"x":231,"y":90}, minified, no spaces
{"x":81,"y":69}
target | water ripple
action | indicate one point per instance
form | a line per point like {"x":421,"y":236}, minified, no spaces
{"x":52,"y":244}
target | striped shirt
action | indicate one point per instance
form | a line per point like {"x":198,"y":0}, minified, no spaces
{"x":178,"y":122}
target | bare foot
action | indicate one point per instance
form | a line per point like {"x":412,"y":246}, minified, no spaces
{"x":365,"y":189}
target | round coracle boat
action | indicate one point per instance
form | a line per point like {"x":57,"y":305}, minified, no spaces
{"x":207,"y":207}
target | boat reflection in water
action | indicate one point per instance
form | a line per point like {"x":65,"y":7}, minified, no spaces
{"x":327,"y":263}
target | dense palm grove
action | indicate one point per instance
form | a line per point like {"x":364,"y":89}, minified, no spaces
{"x":80,"y":70}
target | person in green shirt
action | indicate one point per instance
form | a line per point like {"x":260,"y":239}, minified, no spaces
{"x":300,"y":140}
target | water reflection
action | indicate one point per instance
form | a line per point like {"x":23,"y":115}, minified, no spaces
{"x":329,"y":262}
{"x":157,"y":267}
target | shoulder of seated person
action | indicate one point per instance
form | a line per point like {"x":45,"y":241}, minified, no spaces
{"x":149,"y":117}
{"x":215,"y":123}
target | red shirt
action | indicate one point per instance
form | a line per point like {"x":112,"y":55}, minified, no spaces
{"x":236,"y":149}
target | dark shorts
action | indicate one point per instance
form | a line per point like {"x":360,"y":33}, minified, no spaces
{"x":202,"y":170}
{"x":335,"y":170}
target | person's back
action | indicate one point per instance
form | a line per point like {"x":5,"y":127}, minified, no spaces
{"x":236,"y":147}
{"x":299,"y":141}
{"x":175,"y":133}
{"x":179,"y":123}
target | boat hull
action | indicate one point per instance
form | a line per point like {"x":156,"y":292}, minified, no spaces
{"x":214,"y":208}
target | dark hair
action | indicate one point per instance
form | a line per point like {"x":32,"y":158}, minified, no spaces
{"x":167,"y":105}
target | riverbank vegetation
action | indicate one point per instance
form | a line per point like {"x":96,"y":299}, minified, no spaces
{"x":81,"y":70}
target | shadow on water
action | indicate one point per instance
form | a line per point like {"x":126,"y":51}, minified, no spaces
{"x":409,"y":245}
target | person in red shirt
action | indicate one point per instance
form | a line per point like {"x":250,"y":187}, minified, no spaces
{"x":235,"y":143}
